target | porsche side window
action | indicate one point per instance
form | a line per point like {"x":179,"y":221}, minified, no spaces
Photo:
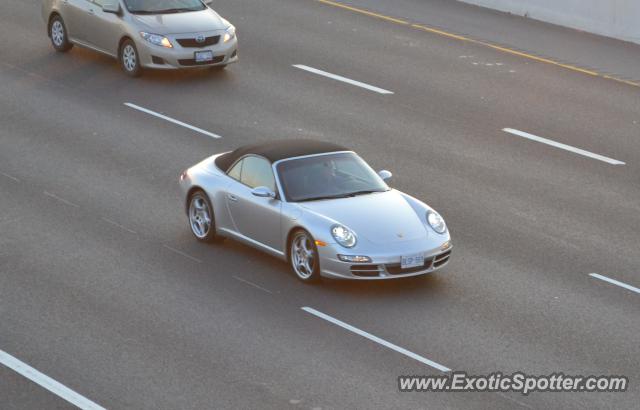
{"x":257,"y":172}
{"x":236,"y":171}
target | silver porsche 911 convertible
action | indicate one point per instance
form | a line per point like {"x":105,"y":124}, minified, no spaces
{"x":318,"y":206}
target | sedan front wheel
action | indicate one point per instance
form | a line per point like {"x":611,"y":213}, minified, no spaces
{"x":130,"y":59}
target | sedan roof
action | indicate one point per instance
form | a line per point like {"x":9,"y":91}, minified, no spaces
{"x":277,"y":150}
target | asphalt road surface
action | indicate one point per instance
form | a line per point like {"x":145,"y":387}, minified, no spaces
{"x":104,"y":290}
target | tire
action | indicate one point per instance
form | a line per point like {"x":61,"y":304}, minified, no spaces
{"x":58,"y":35}
{"x":310,"y":271}
{"x":130,"y":59}
{"x":201,"y":217}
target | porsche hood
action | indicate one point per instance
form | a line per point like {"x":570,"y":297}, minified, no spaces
{"x":379,"y":218}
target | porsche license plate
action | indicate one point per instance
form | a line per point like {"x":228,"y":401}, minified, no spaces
{"x":204,"y":56}
{"x":412,"y":261}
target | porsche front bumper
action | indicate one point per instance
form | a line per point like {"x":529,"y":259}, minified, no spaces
{"x":382,"y":266}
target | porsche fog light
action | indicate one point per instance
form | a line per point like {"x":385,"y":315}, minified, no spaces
{"x":354,"y":258}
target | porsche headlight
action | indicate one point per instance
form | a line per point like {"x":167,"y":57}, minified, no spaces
{"x":344,"y":236}
{"x":229,"y":34}
{"x":436,"y":222}
{"x":156,"y":39}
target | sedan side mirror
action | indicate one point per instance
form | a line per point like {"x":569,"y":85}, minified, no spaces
{"x":385,"y":175}
{"x":263,"y":192}
{"x":113,"y":8}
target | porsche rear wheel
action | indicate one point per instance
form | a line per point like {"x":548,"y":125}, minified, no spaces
{"x":303,"y":256}
{"x":201,"y":220}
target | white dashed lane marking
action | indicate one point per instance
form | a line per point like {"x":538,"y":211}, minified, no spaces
{"x":615,"y":282}
{"x":563,"y":146}
{"x":376,"y":339}
{"x":48,"y":383}
{"x":343,"y":79}
{"x":172,"y":120}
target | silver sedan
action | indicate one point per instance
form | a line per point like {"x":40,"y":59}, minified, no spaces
{"x":319,"y":207}
{"x":159,"y":34}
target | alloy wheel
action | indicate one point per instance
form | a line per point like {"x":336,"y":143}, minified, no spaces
{"x":199,"y":216}
{"x":303,"y":256}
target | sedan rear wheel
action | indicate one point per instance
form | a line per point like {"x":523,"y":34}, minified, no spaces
{"x":303,"y":256}
{"x":201,"y":218}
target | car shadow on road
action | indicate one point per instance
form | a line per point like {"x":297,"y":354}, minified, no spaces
{"x":416,"y":285}
{"x":419,"y":286}
{"x":184,"y":76}
{"x":82,"y":66}
{"x":279,"y":274}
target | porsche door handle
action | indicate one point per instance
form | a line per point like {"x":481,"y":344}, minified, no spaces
{"x":232,"y":197}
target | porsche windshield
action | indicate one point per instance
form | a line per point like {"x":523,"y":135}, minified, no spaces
{"x":330,"y":176}
{"x":163,"y":6}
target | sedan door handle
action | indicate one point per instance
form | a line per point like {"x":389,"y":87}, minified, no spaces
{"x":91,"y":11}
{"x":232,"y":197}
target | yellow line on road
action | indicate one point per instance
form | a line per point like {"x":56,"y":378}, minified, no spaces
{"x":366,"y":12}
{"x":479,"y":42}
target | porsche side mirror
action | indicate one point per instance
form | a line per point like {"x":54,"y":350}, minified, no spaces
{"x":385,"y":175}
{"x":113,"y":8}
{"x":263,"y":192}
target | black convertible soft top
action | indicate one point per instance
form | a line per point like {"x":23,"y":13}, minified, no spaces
{"x":277,"y":150}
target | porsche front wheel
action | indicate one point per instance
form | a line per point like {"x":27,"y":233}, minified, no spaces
{"x":303,"y":256}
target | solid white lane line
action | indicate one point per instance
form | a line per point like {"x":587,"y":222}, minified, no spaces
{"x":615,"y":282}
{"x":563,"y":146}
{"x":48,"y":383}
{"x":172,"y":120}
{"x":182,"y":253}
{"x":57,"y":198}
{"x":252,"y":284}
{"x":376,"y":339}
{"x":343,"y":79}
{"x":124,"y":228}
{"x":10,"y":177}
